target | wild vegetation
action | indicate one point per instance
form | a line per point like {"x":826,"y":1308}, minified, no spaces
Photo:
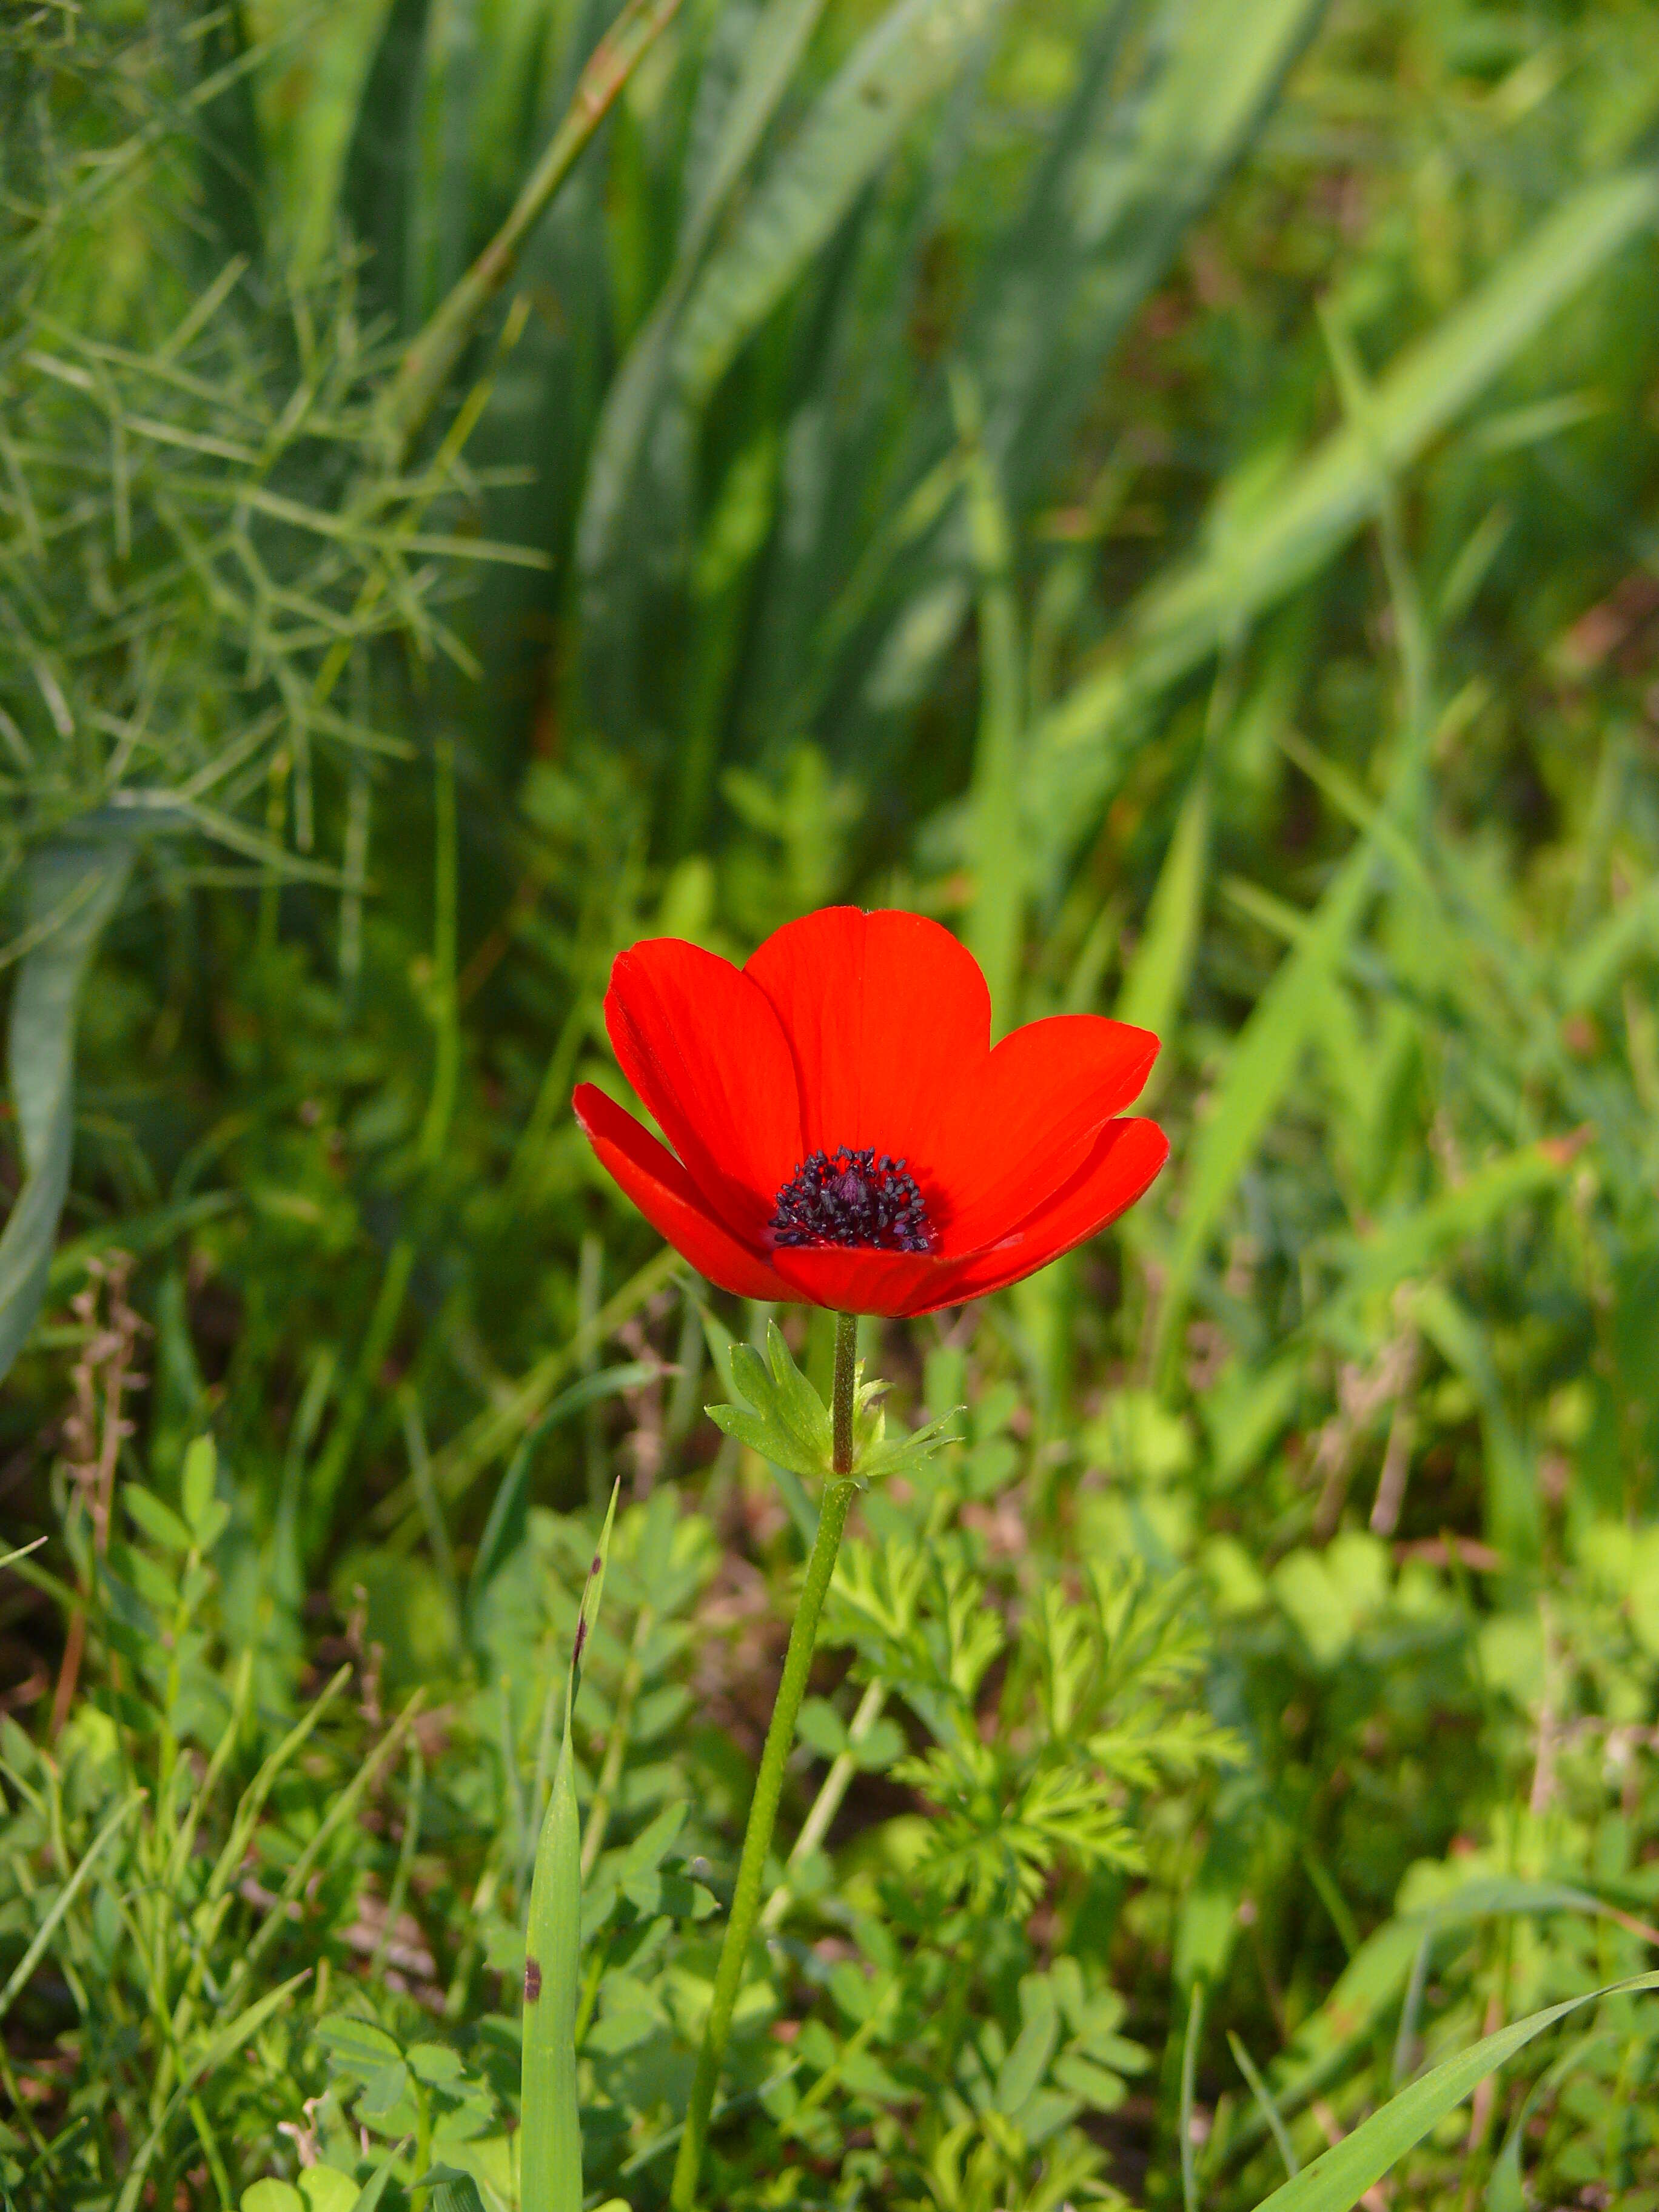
{"x":1164,"y":486}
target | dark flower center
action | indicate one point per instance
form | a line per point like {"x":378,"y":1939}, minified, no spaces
{"x":847,"y":1197}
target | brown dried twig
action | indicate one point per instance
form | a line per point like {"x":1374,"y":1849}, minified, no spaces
{"x":94,"y":1428}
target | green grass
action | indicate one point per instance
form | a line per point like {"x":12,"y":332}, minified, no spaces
{"x":1168,"y":489}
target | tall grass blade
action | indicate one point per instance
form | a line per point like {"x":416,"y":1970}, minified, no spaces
{"x":996,"y":921}
{"x":307,"y":142}
{"x":1157,"y":980}
{"x":1378,"y":1976}
{"x":551,"y":2126}
{"x":773,"y":51}
{"x":1127,"y":176}
{"x":1265,"y":2105}
{"x":1244,"y":570}
{"x":912,"y":53}
{"x":1260,"y":1071}
{"x":369,"y":2195}
{"x":73,"y":888}
{"x":66,"y":1896}
{"x":434,"y":353}
{"x":1188,"y":2085}
{"x":1339,"y":2178}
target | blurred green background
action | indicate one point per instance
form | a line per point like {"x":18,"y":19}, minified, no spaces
{"x":1166,"y":487}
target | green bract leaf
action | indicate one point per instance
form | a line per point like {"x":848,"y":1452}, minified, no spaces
{"x":882,"y":1456}
{"x":789,"y":1423}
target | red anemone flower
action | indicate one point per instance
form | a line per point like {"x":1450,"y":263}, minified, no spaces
{"x":847,"y":1134}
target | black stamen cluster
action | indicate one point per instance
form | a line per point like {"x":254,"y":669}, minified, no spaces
{"x":847,"y":1197}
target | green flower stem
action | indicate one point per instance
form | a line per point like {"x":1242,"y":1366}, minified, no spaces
{"x":841,"y":1396}
{"x":769,"y":1782}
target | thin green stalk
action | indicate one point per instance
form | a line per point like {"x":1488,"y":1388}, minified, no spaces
{"x":426,"y":367}
{"x":1269,"y":2111}
{"x":14,"y":2089}
{"x":769,"y":1782}
{"x":407,"y":1849}
{"x":842,"y":1394}
{"x":551,"y":2138}
{"x":1188,"y":2086}
{"x":444,"y":1009}
{"x":827,"y":1804}
{"x":996,"y":923}
{"x":491,"y":1432}
{"x":210,"y":2151}
{"x":66,"y":1896}
{"x":445,"y":1004}
{"x":616,"y":1749}
{"x":860,"y":2039}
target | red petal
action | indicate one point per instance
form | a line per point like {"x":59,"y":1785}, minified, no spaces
{"x":665,"y":1194}
{"x":886,"y":1014}
{"x":1026,"y":1122}
{"x":853,"y":1278}
{"x":1126,"y":1156}
{"x":703,"y":1048}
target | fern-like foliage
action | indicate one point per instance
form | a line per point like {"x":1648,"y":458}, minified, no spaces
{"x":199,"y":539}
{"x":1098,"y":1698}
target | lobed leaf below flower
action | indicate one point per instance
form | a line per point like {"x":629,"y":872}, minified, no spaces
{"x":786,"y":1421}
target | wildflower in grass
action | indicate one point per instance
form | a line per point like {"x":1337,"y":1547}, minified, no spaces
{"x":847,"y":1135}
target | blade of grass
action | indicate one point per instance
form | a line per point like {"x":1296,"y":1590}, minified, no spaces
{"x":995,"y":931}
{"x":208,"y":2060}
{"x":772,"y":52}
{"x":1189,"y":2082}
{"x":1168,"y":98}
{"x":1341,"y":2176}
{"x":1157,"y":974}
{"x":552,"y":2139}
{"x":1259,"y":1070}
{"x":1185,"y":617}
{"x":433,"y":354}
{"x":65,"y":1897}
{"x":1132,"y":167}
{"x":74,"y":887}
{"x":459,"y":1464}
{"x":1376,"y":1977}
{"x":1265,"y":2104}
{"x":913,"y":52}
